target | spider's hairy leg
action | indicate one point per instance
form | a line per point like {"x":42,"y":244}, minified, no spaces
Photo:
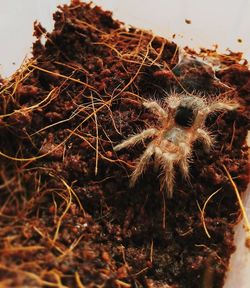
{"x":133,"y":140}
{"x":155,"y":108}
{"x":183,"y":158}
{"x":166,"y":161}
{"x":168,"y":179}
{"x":173,"y":100}
{"x":200,"y":118}
{"x":206,"y":139}
{"x":213,"y":107}
{"x":222,"y":105}
{"x":184,"y":167}
{"x":142,"y":164}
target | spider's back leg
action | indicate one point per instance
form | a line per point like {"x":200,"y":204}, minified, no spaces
{"x":142,"y":164}
{"x":205,"y":137}
{"x":169,"y":175}
{"x":184,"y":167}
{"x":167,"y":163}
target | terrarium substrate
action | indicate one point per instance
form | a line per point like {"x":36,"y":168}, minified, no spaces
{"x":68,"y":215}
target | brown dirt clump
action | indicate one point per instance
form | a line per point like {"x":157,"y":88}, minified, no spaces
{"x":67,"y":215}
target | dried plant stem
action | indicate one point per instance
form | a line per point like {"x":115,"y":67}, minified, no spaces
{"x":203,"y":211}
{"x":237,"y":193}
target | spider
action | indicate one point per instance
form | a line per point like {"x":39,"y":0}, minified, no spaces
{"x":182,"y":122}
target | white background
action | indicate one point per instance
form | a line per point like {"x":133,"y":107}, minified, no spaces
{"x":212,"y":22}
{"x":220,"y":22}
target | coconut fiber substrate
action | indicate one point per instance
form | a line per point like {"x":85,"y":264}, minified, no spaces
{"x":68,"y":214}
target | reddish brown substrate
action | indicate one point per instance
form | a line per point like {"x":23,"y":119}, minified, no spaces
{"x":68,"y":216}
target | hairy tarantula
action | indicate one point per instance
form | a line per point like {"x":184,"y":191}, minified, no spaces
{"x":182,"y":119}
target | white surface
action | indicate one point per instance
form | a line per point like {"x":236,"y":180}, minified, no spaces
{"x":212,"y":22}
{"x":240,"y":261}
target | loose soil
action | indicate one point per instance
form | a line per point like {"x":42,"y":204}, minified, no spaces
{"x":67,"y":215}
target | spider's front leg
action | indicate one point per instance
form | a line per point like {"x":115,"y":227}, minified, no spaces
{"x":155,"y":108}
{"x":213,"y":107}
{"x":222,"y":105}
{"x":133,"y":140}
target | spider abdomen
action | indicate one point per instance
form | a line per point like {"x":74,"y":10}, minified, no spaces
{"x":175,"y":135}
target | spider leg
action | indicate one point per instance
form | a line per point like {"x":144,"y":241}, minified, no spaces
{"x":155,"y":108}
{"x":168,"y":166}
{"x":200,"y":118}
{"x":142,"y":164}
{"x":167,"y":163}
{"x":184,"y":168}
{"x":184,"y":154}
{"x":136,"y":138}
{"x":206,"y":139}
{"x":226,"y":105}
{"x":216,"y":106}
